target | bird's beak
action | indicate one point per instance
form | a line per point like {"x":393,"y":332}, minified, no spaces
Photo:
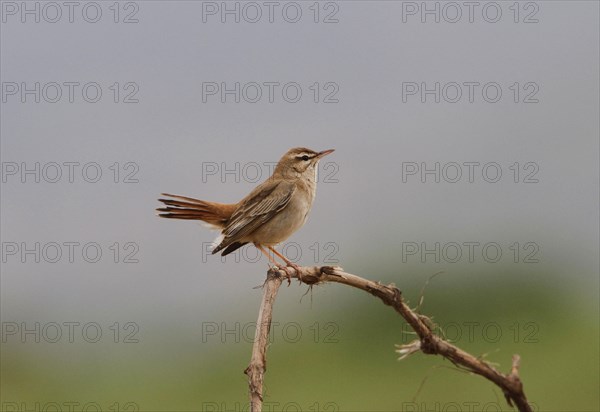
{"x":324,"y":153}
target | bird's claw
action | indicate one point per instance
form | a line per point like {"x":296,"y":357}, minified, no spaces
{"x":297,"y":269}
{"x":288,"y":272}
{"x":288,"y":275}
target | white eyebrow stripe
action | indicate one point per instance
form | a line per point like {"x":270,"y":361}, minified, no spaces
{"x":310,"y":155}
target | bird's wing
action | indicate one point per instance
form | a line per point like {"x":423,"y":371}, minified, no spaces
{"x":259,"y":207}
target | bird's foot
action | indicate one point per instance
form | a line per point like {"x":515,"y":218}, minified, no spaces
{"x":280,"y":268}
{"x":289,"y":270}
{"x":288,"y":275}
{"x":297,"y":269}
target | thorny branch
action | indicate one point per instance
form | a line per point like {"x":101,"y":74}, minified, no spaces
{"x":258,"y":363}
{"x":428,"y":342}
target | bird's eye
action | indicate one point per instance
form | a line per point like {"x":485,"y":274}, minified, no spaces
{"x":305,"y":157}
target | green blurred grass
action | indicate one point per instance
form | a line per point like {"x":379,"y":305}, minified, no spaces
{"x":345,"y":358}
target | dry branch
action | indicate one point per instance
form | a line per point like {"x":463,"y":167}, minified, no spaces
{"x":258,"y":363}
{"x":428,"y":342}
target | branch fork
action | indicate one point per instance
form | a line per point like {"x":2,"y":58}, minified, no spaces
{"x":428,"y":342}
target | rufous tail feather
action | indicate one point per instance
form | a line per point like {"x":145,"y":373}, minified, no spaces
{"x":182,"y":207}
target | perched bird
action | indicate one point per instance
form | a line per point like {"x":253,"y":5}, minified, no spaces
{"x":270,"y":214}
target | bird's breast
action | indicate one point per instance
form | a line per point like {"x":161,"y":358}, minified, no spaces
{"x":287,"y":221}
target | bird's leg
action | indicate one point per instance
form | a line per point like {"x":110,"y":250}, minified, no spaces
{"x":287,"y":262}
{"x":273,"y":261}
{"x":268,"y":255}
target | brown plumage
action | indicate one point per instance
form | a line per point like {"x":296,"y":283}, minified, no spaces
{"x":182,"y":207}
{"x":268,"y":215}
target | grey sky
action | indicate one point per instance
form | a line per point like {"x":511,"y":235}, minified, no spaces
{"x":365,"y":61}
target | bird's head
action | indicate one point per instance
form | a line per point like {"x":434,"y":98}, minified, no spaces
{"x":298,"y":162}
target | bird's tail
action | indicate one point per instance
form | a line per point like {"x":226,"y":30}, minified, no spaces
{"x":181,"y":207}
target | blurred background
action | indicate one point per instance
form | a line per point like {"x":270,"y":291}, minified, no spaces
{"x":466,"y":142}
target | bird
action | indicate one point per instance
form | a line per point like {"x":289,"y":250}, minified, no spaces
{"x":267,"y":216}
